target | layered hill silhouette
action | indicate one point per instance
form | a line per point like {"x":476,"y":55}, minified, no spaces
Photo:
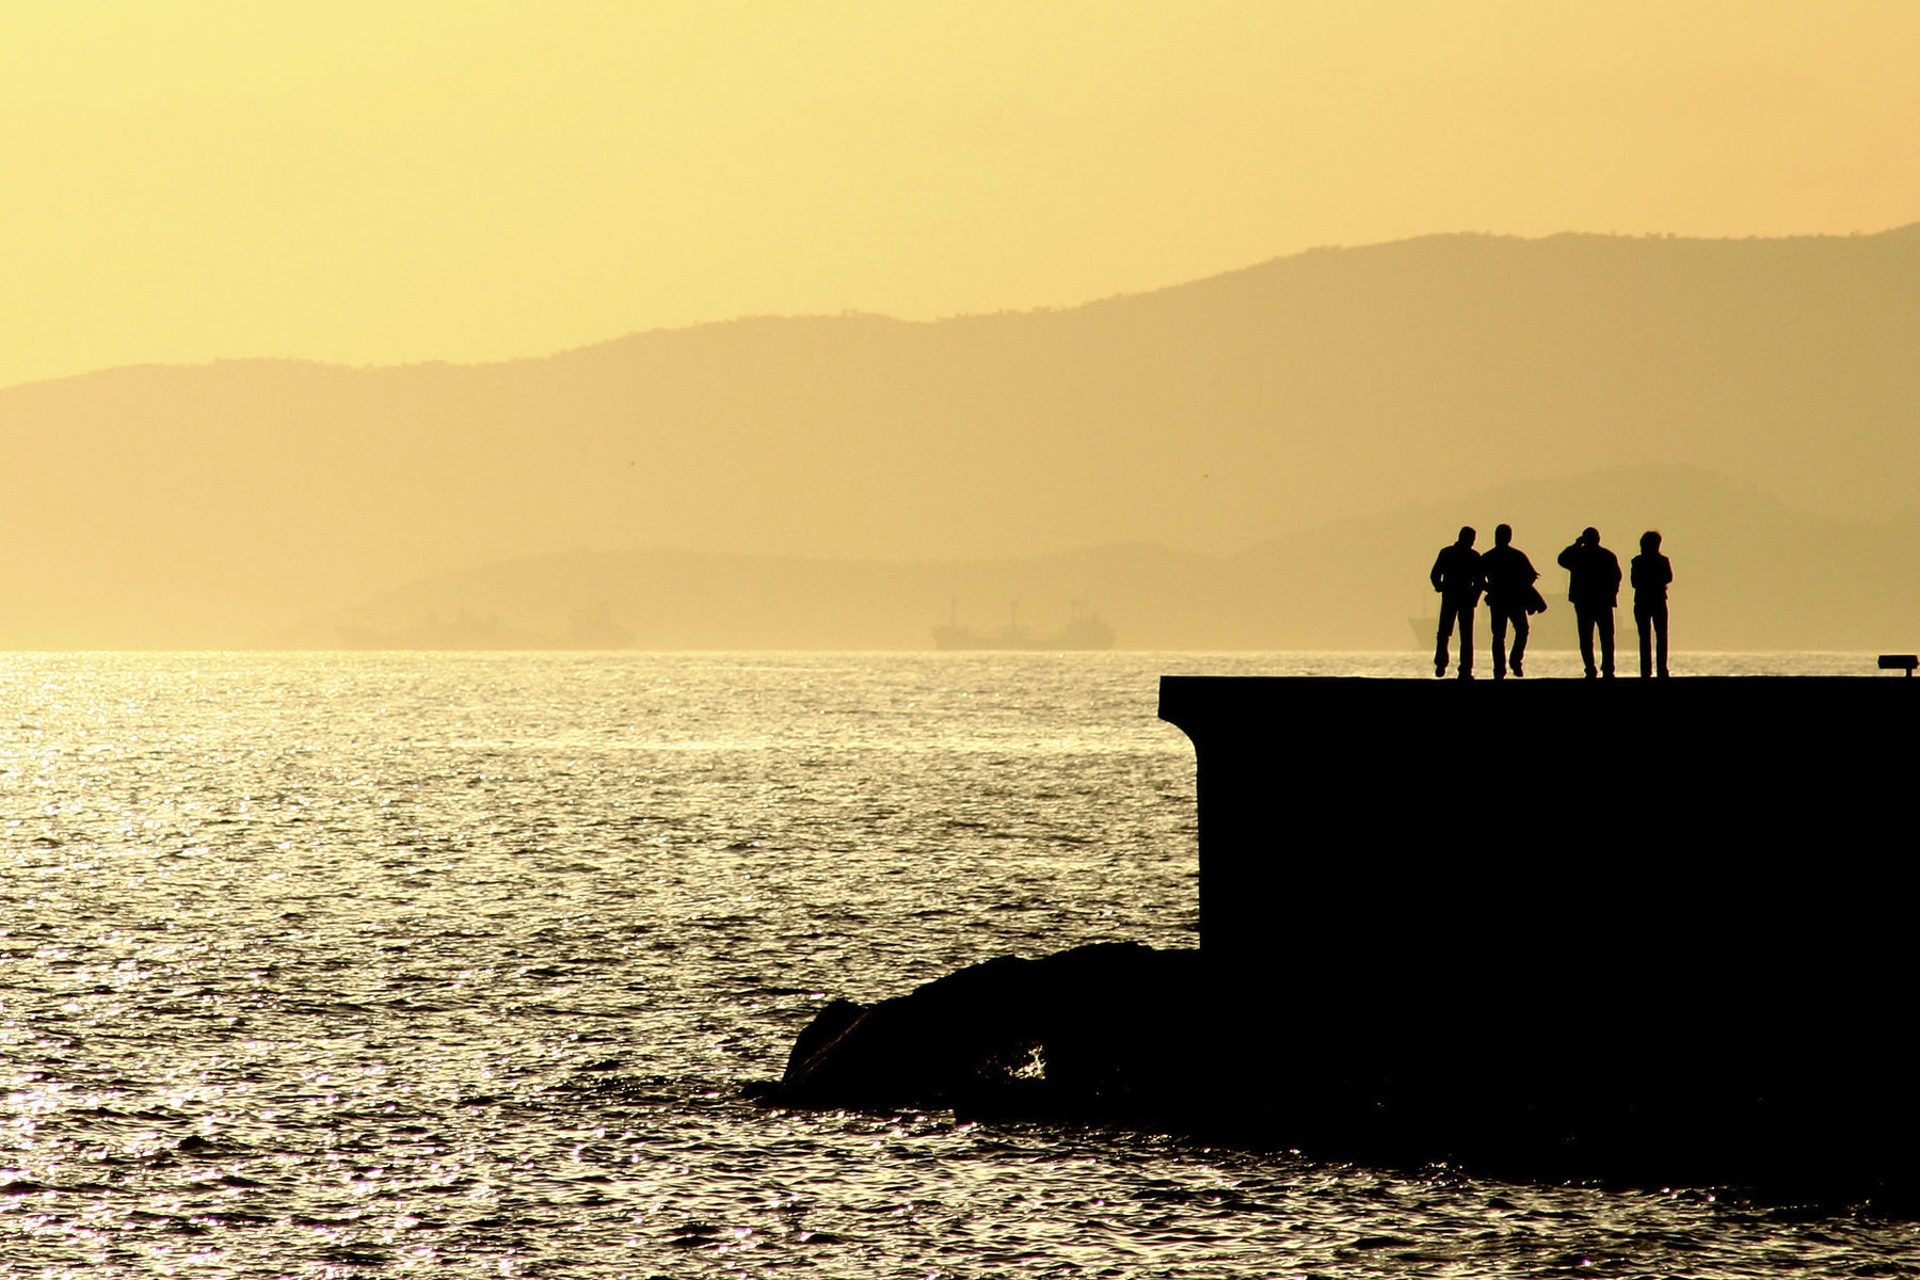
{"x":1751,"y":574}
{"x":1337,"y":391}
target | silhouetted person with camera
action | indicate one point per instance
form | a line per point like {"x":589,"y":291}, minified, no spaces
{"x":1456,"y":576}
{"x":1650,"y":574}
{"x":1509,"y":576}
{"x":1594,"y":588}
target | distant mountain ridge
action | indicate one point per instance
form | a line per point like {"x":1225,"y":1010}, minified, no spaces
{"x":1751,"y":574}
{"x":217,"y":504}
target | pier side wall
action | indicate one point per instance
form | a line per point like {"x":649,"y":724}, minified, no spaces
{"x":1699,"y":859}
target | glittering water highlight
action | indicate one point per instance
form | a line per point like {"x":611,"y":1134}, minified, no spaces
{"x":345,"y":965}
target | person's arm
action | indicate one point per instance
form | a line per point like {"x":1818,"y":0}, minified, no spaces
{"x":1439,"y":563}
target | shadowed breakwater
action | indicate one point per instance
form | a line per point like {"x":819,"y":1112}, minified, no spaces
{"x":1649,"y":933}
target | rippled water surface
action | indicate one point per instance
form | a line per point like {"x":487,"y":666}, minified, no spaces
{"x":349,"y":965}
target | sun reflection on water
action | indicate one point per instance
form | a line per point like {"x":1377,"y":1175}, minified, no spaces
{"x":328,"y":965}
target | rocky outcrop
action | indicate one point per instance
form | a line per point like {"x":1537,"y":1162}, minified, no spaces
{"x":1101,"y":1031}
{"x":1168,"y":1041}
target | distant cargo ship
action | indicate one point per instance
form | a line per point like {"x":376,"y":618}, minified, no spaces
{"x":1085,"y":630}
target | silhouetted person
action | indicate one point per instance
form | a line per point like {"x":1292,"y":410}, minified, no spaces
{"x":1594,"y":587}
{"x":1650,"y":574}
{"x":1456,"y":576}
{"x":1509,"y":576}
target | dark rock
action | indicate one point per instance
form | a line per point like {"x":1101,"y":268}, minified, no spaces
{"x":1124,"y":1034}
{"x":827,"y":1026}
{"x":1095,"y":1032}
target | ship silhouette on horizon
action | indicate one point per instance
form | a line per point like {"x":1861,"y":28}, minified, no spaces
{"x":1085,"y":630}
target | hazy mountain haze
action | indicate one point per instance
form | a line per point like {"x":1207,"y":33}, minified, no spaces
{"x":220,"y":504}
{"x":382,"y":181}
{"x":1750,"y":574}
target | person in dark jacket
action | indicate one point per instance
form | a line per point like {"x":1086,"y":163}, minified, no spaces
{"x":1509,"y":576}
{"x":1456,"y":576}
{"x":1593,"y":585}
{"x":1650,"y":574}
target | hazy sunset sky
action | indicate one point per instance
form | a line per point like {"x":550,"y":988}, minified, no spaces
{"x":396,"y":181}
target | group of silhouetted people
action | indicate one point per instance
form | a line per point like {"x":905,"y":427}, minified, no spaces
{"x":1506,"y":576}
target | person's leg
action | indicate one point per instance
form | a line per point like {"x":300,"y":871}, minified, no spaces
{"x":1466,"y":642}
{"x":1643,"y":623}
{"x":1583,"y":619}
{"x":1660,"y":630}
{"x":1441,"y":637}
{"x":1520,"y":629}
{"x":1497,"y":623}
{"x":1604,"y":617}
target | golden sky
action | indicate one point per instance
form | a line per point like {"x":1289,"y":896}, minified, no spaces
{"x":375,"y":181}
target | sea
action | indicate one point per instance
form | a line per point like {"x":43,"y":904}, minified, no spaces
{"x":370,"y":964}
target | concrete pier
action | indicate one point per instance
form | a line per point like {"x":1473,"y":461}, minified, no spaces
{"x":1483,"y":862}
{"x":1654,"y":932}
